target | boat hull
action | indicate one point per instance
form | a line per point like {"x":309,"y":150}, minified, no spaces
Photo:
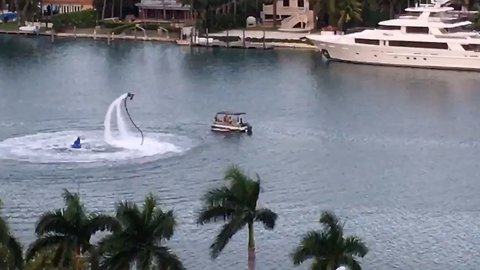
{"x":403,"y":57}
{"x":231,"y":129}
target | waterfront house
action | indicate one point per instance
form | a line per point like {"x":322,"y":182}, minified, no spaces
{"x":293,"y":15}
{"x":51,"y":7}
{"x":164,"y":10}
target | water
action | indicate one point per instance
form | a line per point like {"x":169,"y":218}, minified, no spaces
{"x":392,"y":150}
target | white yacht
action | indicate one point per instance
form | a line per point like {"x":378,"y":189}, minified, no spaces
{"x":427,"y":36}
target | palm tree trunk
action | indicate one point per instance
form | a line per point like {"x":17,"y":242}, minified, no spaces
{"x":274,"y":13}
{"x":77,"y":259}
{"x":235,"y":12}
{"x":113,"y":9}
{"x":2,"y":6}
{"x":121,"y":9}
{"x":332,"y":12}
{"x":23,"y":17}
{"x":251,"y":247}
{"x":392,"y":9}
{"x":103,"y":9}
{"x":18,"y":13}
{"x":164,"y":11}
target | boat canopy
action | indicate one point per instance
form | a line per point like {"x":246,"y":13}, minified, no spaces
{"x":231,"y":113}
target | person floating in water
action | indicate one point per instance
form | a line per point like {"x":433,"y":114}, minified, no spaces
{"x":76,"y":143}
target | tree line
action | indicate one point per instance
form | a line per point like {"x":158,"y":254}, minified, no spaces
{"x":226,"y":14}
{"x":137,"y":235}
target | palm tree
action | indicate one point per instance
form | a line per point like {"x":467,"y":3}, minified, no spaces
{"x":235,"y":204}
{"x":349,"y":10}
{"x":68,"y":232}
{"x":330,"y":248}
{"x":11,"y":256}
{"x":140,"y":240}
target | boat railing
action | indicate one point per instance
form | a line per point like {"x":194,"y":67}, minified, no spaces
{"x":452,"y":37}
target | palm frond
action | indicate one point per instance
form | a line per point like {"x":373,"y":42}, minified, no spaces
{"x":41,"y":261}
{"x":4,"y":230}
{"x":167,"y":260}
{"x":144,"y":259}
{"x":130,"y":216}
{"x":69,"y":197}
{"x":149,"y":206}
{"x":330,"y":221}
{"x":53,"y":222}
{"x":163,"y":224}
{"x":74,"y":212}
{"x":267,"y":217}
{"x":118,"y":260}
{"x":355,"y":246}
{"x":100,"y":222}
{"x":350,"y":262}
{"x":42,"y":243}
{"x":312,"y":245}
{"x":238,"y":182}
{"x":15,"y":250}
{"x":227,"y":231}
{"x":218,"y":196}
{"x":214,"y":214}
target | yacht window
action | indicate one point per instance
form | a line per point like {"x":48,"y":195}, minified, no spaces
{"x":458,"y":29}
{"x":417,"y":44}
{"x":417,"y":30}
{"x":389,"y":27}
{"x":471,"y":47}
{"x":367,"y":41}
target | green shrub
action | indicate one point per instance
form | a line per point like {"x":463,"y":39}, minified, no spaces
{"x":111,"y":24}
{"x":121,"y":28}
{"x":80,"y":19}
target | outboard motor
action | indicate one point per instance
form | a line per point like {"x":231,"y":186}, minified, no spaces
{"x":249,"y":129}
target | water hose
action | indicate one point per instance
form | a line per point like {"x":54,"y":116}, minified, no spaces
{"x":130,"y":95}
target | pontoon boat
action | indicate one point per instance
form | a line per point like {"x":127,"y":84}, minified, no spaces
{"x":231,"y":122}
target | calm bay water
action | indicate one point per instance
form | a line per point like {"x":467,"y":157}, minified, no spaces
{"x":393,"y":151}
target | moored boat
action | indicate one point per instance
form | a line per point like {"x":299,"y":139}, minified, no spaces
{"x":429,"y":36}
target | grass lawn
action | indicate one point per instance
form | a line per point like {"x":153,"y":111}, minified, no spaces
{"x":10,"y":26}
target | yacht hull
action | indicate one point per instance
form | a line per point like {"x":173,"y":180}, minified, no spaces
{"x":402,"y":57}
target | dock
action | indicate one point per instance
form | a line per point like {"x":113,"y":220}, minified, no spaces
{"x":108,"y":37}
{"x":212,"y":41}
{"x":233,"y":44}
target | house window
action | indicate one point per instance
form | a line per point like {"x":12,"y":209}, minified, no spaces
{"x":301,"y":3}
{"x":286,"y":3}
{"x":367,"y":41}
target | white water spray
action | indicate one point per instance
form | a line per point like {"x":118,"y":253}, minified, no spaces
{"x":55,"y":147}
{"x":123,"y":133}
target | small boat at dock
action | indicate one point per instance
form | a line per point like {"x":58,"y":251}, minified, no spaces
{"x":228,"y":122}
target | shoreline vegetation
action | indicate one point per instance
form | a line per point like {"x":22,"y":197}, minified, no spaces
{"x":136,"y":235}
{"x":215,"y":24}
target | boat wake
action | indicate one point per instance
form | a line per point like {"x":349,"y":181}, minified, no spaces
{"x":115,"y":143}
